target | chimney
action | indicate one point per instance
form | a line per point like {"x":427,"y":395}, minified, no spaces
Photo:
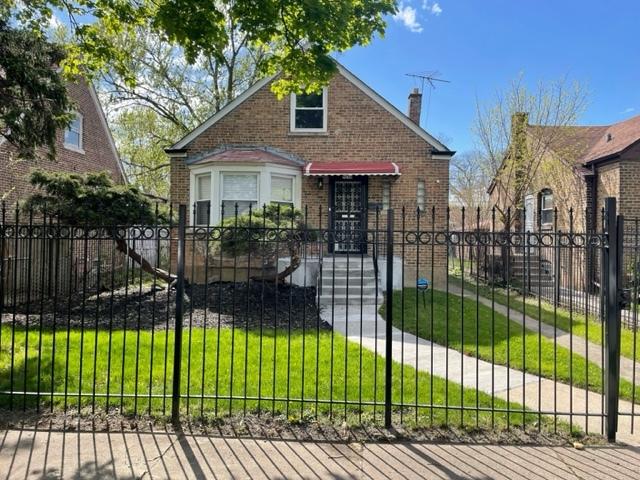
{"x":415,"y":105}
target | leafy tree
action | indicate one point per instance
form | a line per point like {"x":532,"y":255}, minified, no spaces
{"x":141,"y":136}
{"x":93,"y":200}
{"x":235,"y":40}
{"x":297,"y":35}
{"x":169,"y":98}
{"x":33,"y":97}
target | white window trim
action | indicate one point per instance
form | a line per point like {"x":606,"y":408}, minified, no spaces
{"x":246,"y":174}
{"x":293,"y":187}
{"x":292,"y":115}
{"x":542,"y":209}
{"x":195,"y":196}
{"x":71,"y":146}
{"x":264,"y":171}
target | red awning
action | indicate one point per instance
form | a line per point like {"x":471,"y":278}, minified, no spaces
{"x":352,"y":168}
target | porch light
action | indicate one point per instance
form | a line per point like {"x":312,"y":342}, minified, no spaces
{"x":320,"y":183}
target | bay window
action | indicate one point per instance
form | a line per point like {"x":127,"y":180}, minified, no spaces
{"x":282,"y":190}
{"x":203,"y":199}
{"x":239,"y":189}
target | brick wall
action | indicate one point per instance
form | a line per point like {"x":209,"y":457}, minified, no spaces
{"x":358,"y":129}
{"x":629,"y":183}
{"x":98,"y":154}
{"x":607,"y":185}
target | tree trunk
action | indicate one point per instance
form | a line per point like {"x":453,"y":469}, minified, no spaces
{"x":122,"y":246}
{"x":279,"y":277}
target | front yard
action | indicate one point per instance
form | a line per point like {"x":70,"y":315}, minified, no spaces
{"x":478,"y":331}
{"x":564,"y":319}
{"x":135,"y":370}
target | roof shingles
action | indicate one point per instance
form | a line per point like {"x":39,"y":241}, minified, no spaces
{"x":588,"y":144}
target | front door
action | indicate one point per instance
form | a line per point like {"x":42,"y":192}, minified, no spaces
{"x":348,"y":204}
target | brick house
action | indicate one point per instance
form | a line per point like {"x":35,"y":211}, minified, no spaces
{"x":579,"y":166}
{"x":574,"y":169}
{"x":343,"y":153}
{"x":86,"y":146}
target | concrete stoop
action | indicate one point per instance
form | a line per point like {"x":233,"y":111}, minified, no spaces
{"x":348,"y":280}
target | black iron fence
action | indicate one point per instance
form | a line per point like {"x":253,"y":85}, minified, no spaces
{"x":413,"y":322}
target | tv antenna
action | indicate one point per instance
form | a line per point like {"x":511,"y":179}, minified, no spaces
{"x":429,"y":78}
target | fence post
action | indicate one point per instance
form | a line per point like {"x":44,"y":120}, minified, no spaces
{"x":613,"y":262}
{"x":388,"y":387}
{"x":177,"y":349}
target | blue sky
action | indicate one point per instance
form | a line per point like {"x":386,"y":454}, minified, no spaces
{"x":481,"y":46}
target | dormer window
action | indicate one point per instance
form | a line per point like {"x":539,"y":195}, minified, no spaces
{"x":309,"y":112}
{"x":73,"y":134}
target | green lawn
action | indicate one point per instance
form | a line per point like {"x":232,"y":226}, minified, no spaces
{"x":358,"y":375}
{"x":477,"y":331}
{"x":561,"y":317}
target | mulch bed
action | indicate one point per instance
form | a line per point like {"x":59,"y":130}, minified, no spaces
{"x":269,"y":426}
{"x":241,"y":305}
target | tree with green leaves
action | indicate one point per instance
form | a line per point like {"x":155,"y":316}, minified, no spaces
{"x":33,"y":97}
{"x":294,"y":38}
{"x":169,"y":98}
{"x":92,"y":200}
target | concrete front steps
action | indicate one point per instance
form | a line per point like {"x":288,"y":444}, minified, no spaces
{"x":348,"y":281}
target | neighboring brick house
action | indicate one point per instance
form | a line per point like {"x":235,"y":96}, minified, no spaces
{"x":576,"y":167}
{"x":86,"y":146}
{"x":569,"y":171}
{"x":341,"y":153}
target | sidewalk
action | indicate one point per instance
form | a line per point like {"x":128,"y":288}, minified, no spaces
{"x":574,"y":405}
{"x":577,"y":344}
{"x":46,"y":454}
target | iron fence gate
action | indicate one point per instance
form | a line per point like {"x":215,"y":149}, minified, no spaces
{"x":434,"y":322}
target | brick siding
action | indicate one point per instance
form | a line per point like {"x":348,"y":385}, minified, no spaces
{"x":98,"y":153}
{"x":358,"y":129}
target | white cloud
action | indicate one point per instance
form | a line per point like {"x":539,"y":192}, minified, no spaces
{"x":629,"y":110}
{"x":433,"y":8}
{"x":407,"y":15}
{"x":54,"y":22}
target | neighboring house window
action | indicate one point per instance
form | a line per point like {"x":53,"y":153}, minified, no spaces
{"x":282,"y":190}
{"x":203,"y":199}
{"x":73,"y":134}
{"x":386,"y":195}
{"x":421,"y":195}
{"x":309,"y":112}
{"x":546,"y":207}
{"x":239,"y":189}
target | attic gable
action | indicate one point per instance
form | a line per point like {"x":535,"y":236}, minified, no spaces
{"x":440,"y":149}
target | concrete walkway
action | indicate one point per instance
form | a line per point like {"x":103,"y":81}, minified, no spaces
{"x":579,"y":345}
{"x":575,"y":405}
{"x":45,"y":454}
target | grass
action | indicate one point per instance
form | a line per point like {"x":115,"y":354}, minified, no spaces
{"x":478,"y":331}
{"x":558,"y":316}
{"x":338,"y":369}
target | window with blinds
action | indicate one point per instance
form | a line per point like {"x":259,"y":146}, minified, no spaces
{"x":239,"y":189}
